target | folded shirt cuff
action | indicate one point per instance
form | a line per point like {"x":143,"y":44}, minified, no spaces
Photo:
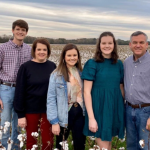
{"x":54,"y":121}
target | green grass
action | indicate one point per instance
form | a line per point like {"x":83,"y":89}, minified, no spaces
{"x":116,"y":143}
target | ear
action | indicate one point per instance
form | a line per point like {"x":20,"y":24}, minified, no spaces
{"x":130,"y":44}
{"x":13,"y":31}
{"x":146,"y":45}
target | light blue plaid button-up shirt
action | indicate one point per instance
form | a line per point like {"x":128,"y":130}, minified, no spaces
{"x":137,"y":79}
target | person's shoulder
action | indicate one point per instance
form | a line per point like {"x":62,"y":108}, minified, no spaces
{"x":55,"y":73}
{"x":24,"y":66}
{"x":128,"y":59}
{"x":4,"y":45}
{"x":27,"y":63}
{"x":51,"y":63}
{"x":91,"y":61}
{"x":26,"y":46}
{"x":119,"y":62}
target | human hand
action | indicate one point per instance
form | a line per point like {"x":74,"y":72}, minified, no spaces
{"x":56,"y":129}
{"x":148,"y":124}
{"x":22,"y":122}
{"x":1,"y":104}
{"x":93,"y":127}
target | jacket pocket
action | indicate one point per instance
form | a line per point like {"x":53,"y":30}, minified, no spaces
{"x":60,"y":89}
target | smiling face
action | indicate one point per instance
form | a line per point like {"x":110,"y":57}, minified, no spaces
{"x":41,"y":53}
{"x":19,"y":33}
{"x":71,"y":57}
{"x":107,"y":46}
{"x":138,"y":45}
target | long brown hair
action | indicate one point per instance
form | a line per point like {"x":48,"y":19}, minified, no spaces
{"x":98,"y":54}
{"x":62,"y":68}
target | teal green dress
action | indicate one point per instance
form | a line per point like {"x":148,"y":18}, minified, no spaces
{"x":107,"y":100}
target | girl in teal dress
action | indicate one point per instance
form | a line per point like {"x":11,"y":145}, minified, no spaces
{"x":103,"y":93}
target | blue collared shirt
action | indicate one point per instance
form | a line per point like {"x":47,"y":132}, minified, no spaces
{"x":137,"y":79}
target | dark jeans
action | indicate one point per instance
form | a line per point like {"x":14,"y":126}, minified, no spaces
{"x":75,"y":124}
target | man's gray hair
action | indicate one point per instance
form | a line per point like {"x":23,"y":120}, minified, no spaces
{"x":138,"y":33}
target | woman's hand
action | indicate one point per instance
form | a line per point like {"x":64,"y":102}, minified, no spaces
{"x":93,"y":127}
{"x":22,"y":122}
{"x":55,"y":129}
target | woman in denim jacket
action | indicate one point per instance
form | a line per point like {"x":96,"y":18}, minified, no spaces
{"x":65,"y":105}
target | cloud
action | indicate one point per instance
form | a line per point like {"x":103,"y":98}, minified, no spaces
{"x":72,"y":19}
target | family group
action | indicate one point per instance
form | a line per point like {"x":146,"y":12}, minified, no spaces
{"x":103,"y":99}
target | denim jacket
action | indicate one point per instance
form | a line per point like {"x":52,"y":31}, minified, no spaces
{"x":57,"y":100}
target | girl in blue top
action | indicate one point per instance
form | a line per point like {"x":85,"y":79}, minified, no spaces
{"x":103,"y":90}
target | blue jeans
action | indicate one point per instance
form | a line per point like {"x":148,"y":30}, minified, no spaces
{"x":136,"y":119}
{"x":8,"y":114}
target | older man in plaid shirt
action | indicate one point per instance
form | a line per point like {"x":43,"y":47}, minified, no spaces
{"x":12,"y":54}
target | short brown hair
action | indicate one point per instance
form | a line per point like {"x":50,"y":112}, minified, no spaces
{"x":42,"y":41}
{"x":21,"y":24}
{"x":62,"y":68}
{"x":98,"y":54}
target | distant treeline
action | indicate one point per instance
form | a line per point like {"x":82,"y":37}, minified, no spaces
{"x":92,"y":41}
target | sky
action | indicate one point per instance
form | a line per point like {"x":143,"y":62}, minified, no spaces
{"x":72,"y":19}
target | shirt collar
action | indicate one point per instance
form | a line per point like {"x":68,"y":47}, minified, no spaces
{"x":142,"y":58}
{"x":15,"y":45}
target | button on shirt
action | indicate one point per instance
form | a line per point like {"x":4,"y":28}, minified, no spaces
{"x":11,"y":58}
{"x":137,"y":79}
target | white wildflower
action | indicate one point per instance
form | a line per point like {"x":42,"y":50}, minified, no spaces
{"x":64,"y":144}
{"x":104,"y":149}
{"x":5,"y":129}
{"x":142,"y":143}
{"x":10,"y":142}
{"x":34,"y":146}
{"x":35,"y":134}
{"x":21,"y":144}
{"x":121,"y":148}
{"x":7,"y":124}
{"x":2,"y":147}
{"x":23,"y":129}
{"x":92,"y":138}
{"x":96,"y":147}
{"x":122,"y":140}
{"x":1,"y":133}
{"x":21,"y":138}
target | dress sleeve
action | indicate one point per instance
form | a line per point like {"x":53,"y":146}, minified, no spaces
{"x":19,"y":99}
{"x":89,"y":70}
{"x":121,"y":72}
